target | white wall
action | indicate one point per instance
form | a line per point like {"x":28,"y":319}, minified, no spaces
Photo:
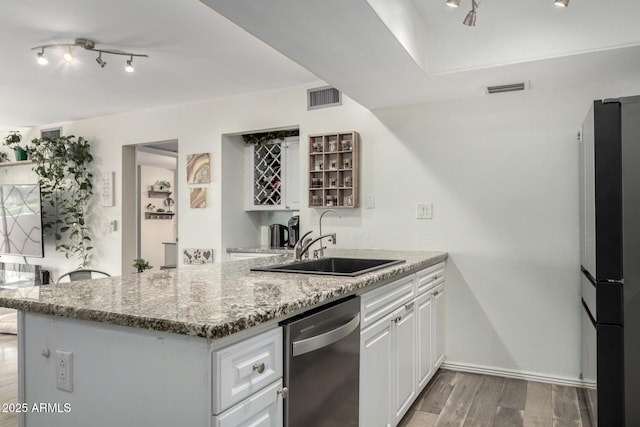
{"x":501,"y":172}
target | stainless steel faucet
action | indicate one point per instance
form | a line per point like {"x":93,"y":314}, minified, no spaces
{"x":301,"y":248}
{"x":322,"y":248}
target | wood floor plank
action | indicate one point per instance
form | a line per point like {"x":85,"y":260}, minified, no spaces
{"x":509,"y":417}
{"x":485,"y":403}
{"x":585,"y":414}
{"x":538,"y":408}
{"x":455,"y":411}
{"x":566,"y":410}
{"x":514,"y":394}
{"x":419,"y":419}
{"x":437,"y":392}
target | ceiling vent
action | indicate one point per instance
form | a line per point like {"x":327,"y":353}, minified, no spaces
{"x":322,"y":97}
{"x":505,"y":88}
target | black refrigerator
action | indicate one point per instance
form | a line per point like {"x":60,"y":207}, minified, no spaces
{"x":610,"y":260}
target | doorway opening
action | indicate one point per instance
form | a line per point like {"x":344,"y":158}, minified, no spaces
{"x":150,"y":212}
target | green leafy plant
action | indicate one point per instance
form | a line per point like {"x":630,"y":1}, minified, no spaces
{"x":164,"y":185}
{"x":66,"y":185}
{"x":3,"y":157}
{"x":13,"y":141}
{"x":262,"y":138}
{"x":141,"y":264}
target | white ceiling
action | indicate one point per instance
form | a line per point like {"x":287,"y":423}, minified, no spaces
{"x":378,"y":52}
{"x":194,"y":54}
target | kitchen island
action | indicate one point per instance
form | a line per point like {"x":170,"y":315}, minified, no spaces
{"x":147,"y":349}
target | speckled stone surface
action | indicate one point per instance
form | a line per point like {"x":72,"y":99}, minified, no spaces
{"x":211,"y":300}
{"x":261,"y":250}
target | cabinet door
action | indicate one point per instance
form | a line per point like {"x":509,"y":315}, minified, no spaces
{"x":424,"y":355}
{"x":263,"y":409}
{"x":292,"y":173}
{"x":404,"y":359}
{"x":375,"y":374}
{"x":438,"y":325}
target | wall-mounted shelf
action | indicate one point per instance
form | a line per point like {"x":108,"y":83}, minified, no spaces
{"x":333,"y":170}
{"x":159,"y":215}
{"x":159,"y":194}
{"x":20,"y":163}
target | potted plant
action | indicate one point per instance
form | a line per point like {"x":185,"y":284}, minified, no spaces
{"x":12,"y":141}
{"x":164,"y":185}
{"x":141,"y":264}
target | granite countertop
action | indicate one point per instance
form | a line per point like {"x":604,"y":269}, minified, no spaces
{"x":261,"y":250}
{"x":210,"y":300}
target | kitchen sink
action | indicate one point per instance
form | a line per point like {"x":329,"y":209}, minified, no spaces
{"x":332,"y":266}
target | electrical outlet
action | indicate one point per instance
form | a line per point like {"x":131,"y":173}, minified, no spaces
{"x":64,"y":370}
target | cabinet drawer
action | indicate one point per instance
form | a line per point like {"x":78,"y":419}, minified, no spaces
{"x":430,"y":277}
{"x":246,"y":367}
{"x":382,"y":301}
{"x":263,"y":409}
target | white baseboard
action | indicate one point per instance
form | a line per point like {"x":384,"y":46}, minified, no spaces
{"x":512,"y":373}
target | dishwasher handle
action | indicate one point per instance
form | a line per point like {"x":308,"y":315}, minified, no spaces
{"x":326,"y":339}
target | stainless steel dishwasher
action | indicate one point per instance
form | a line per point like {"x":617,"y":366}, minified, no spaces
{"x":322,"y":366}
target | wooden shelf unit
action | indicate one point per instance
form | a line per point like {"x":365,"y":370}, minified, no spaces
{"x":158,"y":194}
{"x":334,"y":170}
{"x":159,"y":215}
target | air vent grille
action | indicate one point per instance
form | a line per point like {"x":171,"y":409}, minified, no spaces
{"x":51,"y":133}
{"x":505,"y":88}
{"x":323,"y":97}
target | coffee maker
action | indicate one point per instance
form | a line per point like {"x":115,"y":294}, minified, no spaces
{"x":294,"y":230}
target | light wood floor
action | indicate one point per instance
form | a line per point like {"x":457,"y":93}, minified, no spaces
{"x":450,"y":399}
{"x":465,"y":399}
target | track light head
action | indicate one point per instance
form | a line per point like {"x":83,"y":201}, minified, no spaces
{"x":42,"y":60}
{"x":470,"y":19}
{"x":101,"y":61}
{"x":453,"y":3}
{"x":68,"y":56}
{"x":129,"y":67}
{"x":561,"y":3}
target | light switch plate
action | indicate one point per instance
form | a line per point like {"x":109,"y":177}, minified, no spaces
{"x":371,"y":201}
{"x":424,"y":211}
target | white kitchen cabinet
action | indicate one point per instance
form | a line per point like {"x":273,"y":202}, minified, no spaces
{"x":401,"y":344}
{"x":425,"y":338}
{"x":403,"y":360}
{"x":438,"y":328}
{"x":245,"y":368}
{"x":387,"y":353}
{"x":375,"y":373}
{"x":272,"y":175}
{"x":262,"y":409}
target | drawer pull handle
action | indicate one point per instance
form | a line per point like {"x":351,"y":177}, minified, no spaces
{"x":258,"y":367}
{"x":284,"y":392}
{"x":435,"y":293}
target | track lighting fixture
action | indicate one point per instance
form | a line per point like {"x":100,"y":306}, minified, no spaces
{"x":470,"y":19}
{"x":129,"y":67}
{"x":88,"y":45}
{"x":42,"y":60}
